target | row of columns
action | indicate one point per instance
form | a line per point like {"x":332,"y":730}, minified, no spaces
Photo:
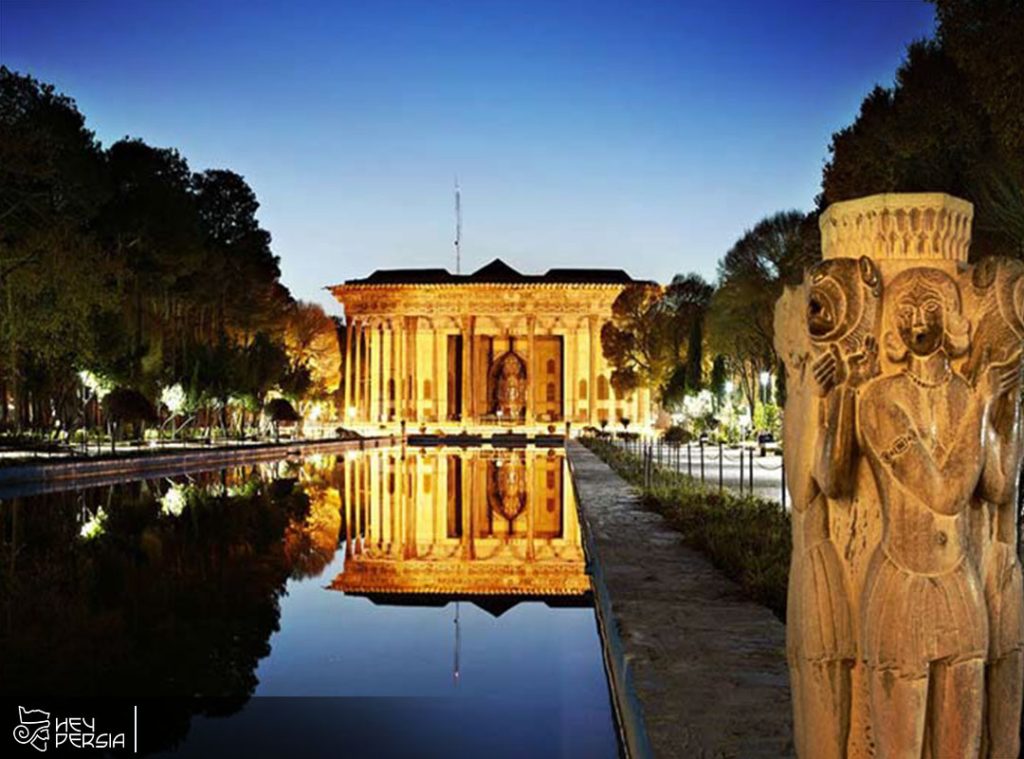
{"x":383,"y":381}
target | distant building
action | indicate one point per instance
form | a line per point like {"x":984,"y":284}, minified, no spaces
{"x":493,"y":347}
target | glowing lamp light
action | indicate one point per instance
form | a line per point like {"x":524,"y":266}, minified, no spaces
{"x":728,"y":386}
{"x":766,"y":377}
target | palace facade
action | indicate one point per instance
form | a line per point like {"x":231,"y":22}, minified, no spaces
{"x":495,"y":347}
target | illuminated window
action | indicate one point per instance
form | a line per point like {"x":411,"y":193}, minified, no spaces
{"x":583,"y":389}
{"x":551,"y":366}
{"x":551,"y":391}
{"x":602,"y":388}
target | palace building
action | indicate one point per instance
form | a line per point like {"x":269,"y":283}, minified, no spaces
{"x":495,"y":347}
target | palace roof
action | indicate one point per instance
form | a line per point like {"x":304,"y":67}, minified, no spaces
{"x":496,"y":272}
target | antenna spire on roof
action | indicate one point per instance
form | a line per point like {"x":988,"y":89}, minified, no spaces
{"x":458,"y":227}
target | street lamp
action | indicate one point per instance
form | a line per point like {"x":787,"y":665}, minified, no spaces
{"x":766,"y":378}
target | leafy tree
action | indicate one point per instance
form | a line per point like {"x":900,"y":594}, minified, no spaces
{"x":952,"y":123}
{"x":312,"y":341}
{"x":689,"y":298}
{"x":719,"y":376}
{"x":51,"y":182}
{"x":750,"y":279}
{"x":638,"y":339}
{"x":655,"y":337}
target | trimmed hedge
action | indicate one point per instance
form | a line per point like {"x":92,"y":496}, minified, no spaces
{"x":747,"y":537}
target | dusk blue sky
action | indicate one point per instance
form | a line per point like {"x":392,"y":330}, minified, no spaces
{"x":646,"y":136}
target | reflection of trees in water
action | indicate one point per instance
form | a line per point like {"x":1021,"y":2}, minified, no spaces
{"x":155,"y":604}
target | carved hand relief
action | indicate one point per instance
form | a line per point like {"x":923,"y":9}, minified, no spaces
{"x":905,"y":365}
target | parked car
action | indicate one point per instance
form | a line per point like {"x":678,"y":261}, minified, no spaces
{"x":765,"y":441}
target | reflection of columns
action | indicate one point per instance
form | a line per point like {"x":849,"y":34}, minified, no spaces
{"x":466,"y":494}
{"x":346,"y":498}
{"x":533,"y":501}
{"x":371,"y":525}
{"x":592,"y":382}
{"x":531,"y":368}
{"x":416,"y":487}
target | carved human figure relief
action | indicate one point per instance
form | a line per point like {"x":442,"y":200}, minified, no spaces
{"x":924,"y":624}
{"x":916,"y":420}
{"x":997,"y":287}
{"x":825,"y":338}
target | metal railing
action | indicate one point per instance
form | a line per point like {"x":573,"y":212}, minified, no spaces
{"x":707,"y":463}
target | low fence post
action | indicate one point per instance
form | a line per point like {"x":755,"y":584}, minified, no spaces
{"x":741,"y":470}
{"x":720,"y":478}
{"x":701,"y":462}
{"x":751,"y":478}
{"x":689,"y":460}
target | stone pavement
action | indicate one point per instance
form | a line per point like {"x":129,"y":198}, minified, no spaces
{"x":697,"y":670}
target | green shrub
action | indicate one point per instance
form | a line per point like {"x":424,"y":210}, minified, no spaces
{"x":677,"y":434}
{"x":747,"y":537}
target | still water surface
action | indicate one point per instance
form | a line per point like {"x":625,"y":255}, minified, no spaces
{"x":422,"y":603}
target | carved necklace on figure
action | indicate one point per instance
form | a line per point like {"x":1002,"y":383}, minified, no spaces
{"x":921,"y":382}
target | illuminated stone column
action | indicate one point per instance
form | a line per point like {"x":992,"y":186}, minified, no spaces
{"x":468,"y":325}
{"x":374,"y":370}
{"x":531,"y":367}
{"x":440,"y":374}
{"x":358,"y":390}
{"x":385,"y":372}
{"x":349,"y":332}
{"x":902,"y":443}
{"x":435,"y":374}
{"x":569,"y":382}
{"x":398,"y":364}
{"x":414,"y":391}
{"x":594,"y":348}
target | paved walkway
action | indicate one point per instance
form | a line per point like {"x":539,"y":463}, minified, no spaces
{"x":697,"y":670}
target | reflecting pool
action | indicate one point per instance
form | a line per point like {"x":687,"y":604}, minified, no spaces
{"x":428,"y":602}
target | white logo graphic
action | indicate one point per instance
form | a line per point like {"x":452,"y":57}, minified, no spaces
{"x":34,"y":729}
{"x":76,"y":732}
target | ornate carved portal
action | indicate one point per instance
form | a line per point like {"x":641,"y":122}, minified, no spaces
{"x":507,"y":386}
{"x":902,"y":443}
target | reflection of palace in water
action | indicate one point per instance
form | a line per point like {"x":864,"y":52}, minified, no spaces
{"x":461,"y":522}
